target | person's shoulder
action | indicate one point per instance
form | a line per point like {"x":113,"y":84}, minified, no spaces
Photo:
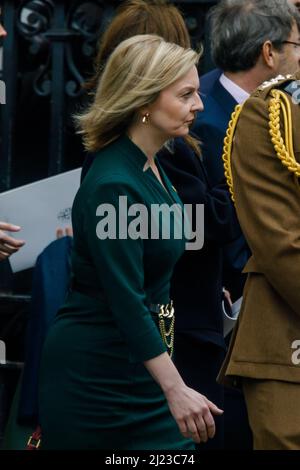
{"x":110,"y":181}
{"x":212,"y":74}
{"x":109,"y":164}
{"x":109,"y":153}
{"x":287,"y":85}
{"x":109,"y":188}
{"x":273,"y":106}
{"x":268,"y":96}
{"x":110,"y":174}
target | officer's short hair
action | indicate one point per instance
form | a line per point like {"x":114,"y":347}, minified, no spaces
{"x":239,"y":28}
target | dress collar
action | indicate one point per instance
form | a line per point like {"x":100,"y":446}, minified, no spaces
{"x":135,"y":154}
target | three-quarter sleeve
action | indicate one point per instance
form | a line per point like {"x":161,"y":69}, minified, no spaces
{"x":119,"y":264}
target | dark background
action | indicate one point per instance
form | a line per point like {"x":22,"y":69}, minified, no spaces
{"x":47,"y":53}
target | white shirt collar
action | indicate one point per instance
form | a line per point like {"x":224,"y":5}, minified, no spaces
{"x":236,"y":91}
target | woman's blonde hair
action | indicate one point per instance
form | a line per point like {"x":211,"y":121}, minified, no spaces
{"x":136,"y":72}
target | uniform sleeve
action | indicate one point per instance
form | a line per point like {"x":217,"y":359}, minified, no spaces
{"x":120,"y":270}
{"x":267,"y":201}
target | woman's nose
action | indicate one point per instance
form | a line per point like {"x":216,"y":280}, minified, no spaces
{"x":198,"y":105}
{"x":2,"y":31}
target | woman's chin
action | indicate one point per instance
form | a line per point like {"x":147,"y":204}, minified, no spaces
{"x":183,"y":131}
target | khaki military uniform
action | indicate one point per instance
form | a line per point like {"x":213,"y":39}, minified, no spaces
{"x":262,"y":168}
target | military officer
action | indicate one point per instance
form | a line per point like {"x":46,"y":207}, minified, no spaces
{"x":262,"y":164}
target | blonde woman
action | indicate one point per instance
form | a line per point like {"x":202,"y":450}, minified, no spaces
{"x":107,"y":380}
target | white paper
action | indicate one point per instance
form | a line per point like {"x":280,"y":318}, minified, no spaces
{"x":229,"y":321}
{"x":39,"y":209}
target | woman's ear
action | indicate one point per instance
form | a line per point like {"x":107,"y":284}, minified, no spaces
{"x":143,"y":114}
{"x":142,"y":111}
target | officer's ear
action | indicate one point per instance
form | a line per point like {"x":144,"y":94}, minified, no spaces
{"x":269,"y":54}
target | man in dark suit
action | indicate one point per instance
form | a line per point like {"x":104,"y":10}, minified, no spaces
{"x":209,"y":79}
{"x":249,"y":50}
{"x":252,"y":42}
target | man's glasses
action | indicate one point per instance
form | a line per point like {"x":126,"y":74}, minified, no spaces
{"x":297,"y":44}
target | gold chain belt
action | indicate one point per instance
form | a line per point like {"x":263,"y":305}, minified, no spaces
{"x":166,"y":314}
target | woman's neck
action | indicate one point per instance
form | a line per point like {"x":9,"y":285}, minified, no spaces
{"x":149,"y":142}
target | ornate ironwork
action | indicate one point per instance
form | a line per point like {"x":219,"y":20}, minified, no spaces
{"x":47,"y":56}
{"x":84,"y":23}
{"x":57,"y":32}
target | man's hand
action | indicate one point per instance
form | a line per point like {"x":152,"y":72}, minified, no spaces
{"x":9,"y":245}
{"x":227,"y":296}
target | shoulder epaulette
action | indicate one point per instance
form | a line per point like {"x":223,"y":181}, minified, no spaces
{"x":279,"y":109}
{"x":275,"y":82}
{"x":279,"y":83}
{"x":292,"y":88}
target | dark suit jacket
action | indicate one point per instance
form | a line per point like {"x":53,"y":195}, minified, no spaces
{"x":208,"y":80}
{"x":210,"y":127}
{"x":197,"y":279}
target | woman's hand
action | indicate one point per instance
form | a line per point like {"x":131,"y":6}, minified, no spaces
{"x":193,"y":413}
{"x":9,"y":245}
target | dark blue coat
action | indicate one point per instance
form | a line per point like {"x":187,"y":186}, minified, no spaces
{"x":208,"y":80}
{"x":197,"y":280}
{"x":210,"y":127}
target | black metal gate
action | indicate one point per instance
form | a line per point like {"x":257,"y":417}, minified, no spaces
{"x":47,"y":55}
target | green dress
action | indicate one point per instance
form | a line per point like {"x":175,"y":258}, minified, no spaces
{"x":95,"y":392}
